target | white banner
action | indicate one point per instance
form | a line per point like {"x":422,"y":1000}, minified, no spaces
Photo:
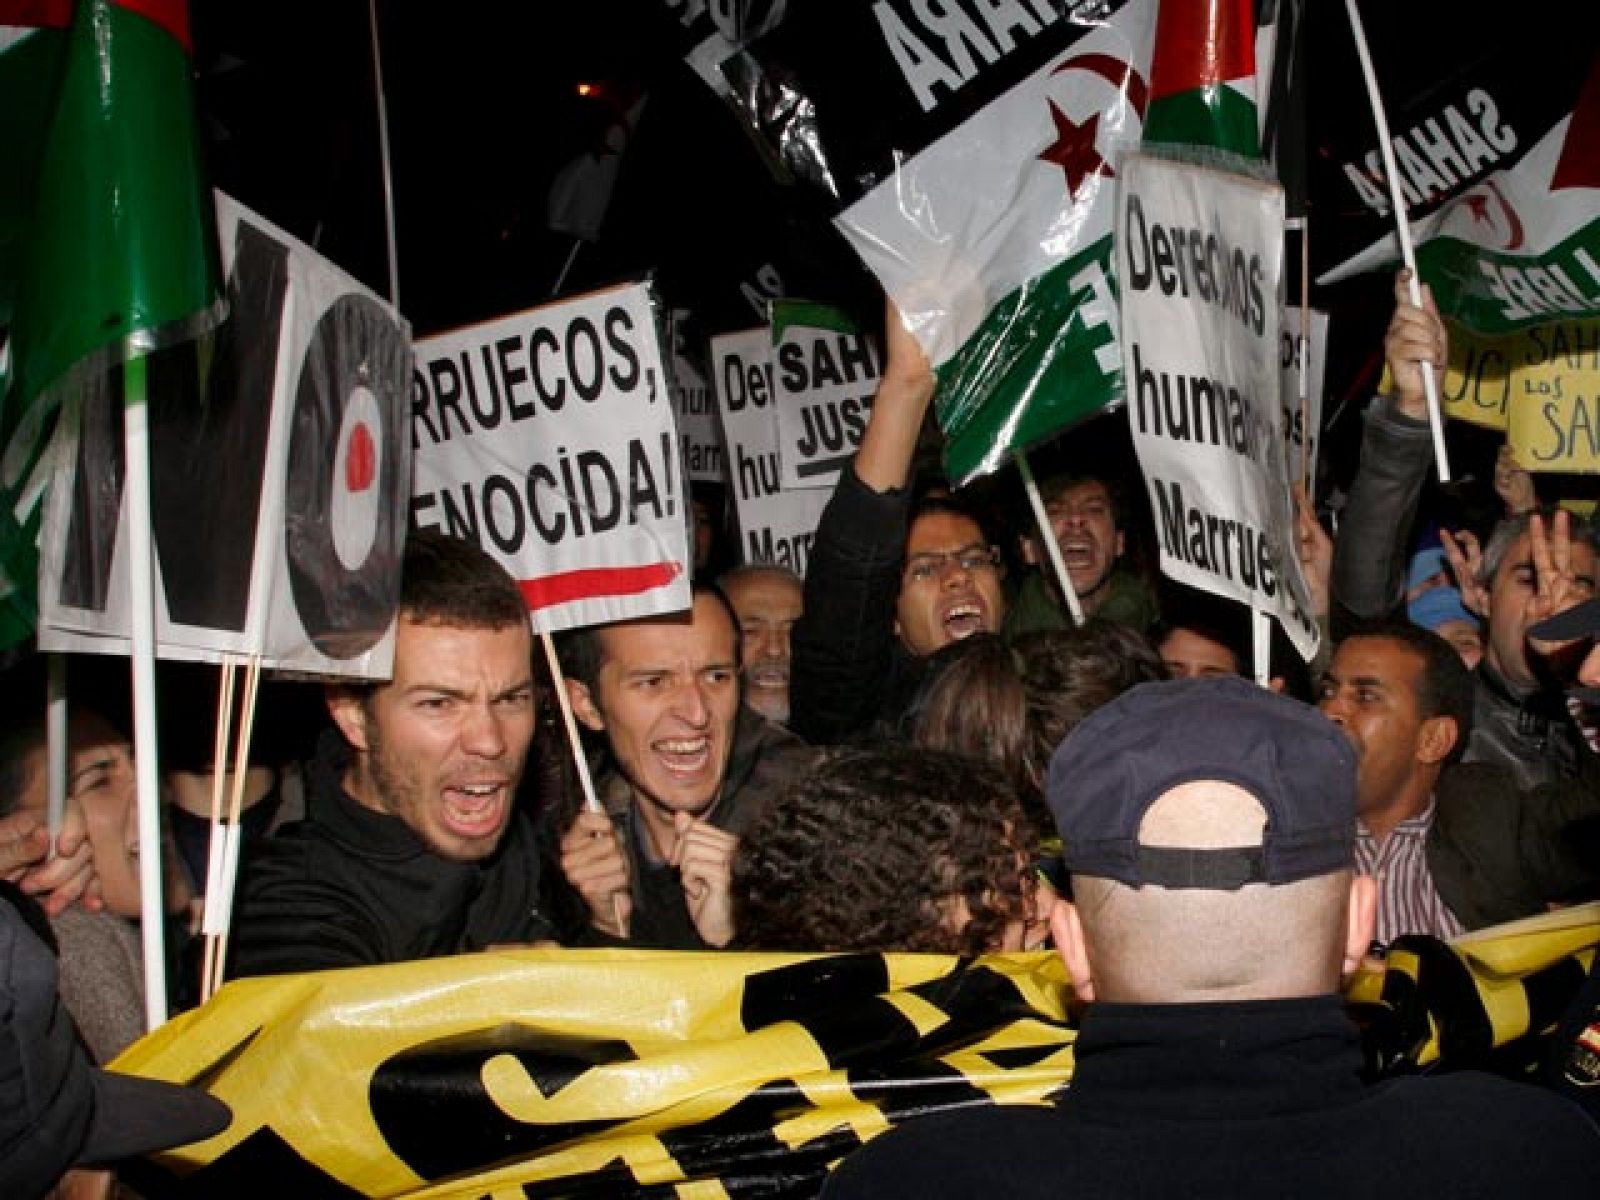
{"x":775,"y":526}
{"x":279,"y":477}
{"x":703,"y":455}
{"x":547,"y":437}
{"x":1302,"y":429}
{"x":1200,"y":261}
{"x":826,"y":374}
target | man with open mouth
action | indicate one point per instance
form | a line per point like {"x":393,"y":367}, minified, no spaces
{"x":412,"y":845}
{"x":1086,"y":521}
{"x":684,"y":770}
{"x":890,"y":579}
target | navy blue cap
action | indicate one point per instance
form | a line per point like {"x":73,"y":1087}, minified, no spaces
{"x":1127,"y":754}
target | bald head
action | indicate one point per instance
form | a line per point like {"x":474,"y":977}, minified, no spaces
{"x":1155,"y":945}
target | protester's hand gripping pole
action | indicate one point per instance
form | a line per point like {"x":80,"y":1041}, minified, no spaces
{"x":579,"y":759}
{"x":1047,"y":537}
{"x":1408,"y":253}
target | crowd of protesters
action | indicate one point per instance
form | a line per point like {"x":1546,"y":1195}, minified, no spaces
{"x":918,"y":748}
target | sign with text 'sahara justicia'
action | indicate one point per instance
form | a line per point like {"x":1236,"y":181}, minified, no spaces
{"x":547,"y":437}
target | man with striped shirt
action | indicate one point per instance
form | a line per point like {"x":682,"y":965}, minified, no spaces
{"x":1453,"y":846}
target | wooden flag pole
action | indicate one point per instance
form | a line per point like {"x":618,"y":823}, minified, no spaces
{"x":591,"y":802}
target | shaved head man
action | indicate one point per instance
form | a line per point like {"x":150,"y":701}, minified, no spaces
{"x":1208,"y":828}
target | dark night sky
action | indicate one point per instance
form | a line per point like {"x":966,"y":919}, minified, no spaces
{"x":482,"y":109}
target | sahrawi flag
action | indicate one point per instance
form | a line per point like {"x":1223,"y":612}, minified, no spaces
{"x":973,"y":149}
{"x":112,"y":220}
{"x":1512,"y":144}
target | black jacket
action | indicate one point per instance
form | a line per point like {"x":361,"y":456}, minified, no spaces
{"x":764,"y":758}
{"x":348,"y":886}
{"x":1497,"y":852}
{"x":849,"y":672}
{"x":1238,"y":1100}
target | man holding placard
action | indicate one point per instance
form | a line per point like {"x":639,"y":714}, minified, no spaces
{"x":685,"y":769}
{"x":412,"y":847}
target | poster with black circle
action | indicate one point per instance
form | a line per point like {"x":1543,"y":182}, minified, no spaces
{"x":280,"y":464}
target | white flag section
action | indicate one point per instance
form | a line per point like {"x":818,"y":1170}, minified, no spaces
{"x":775,"y":525}
{"x":826,"y":373}
{"x":703,"y":455}
{"x":547,"y":438}
{"x":279,"y":477}
{"x":1199,"y":257}
{"x":1300,"y":429}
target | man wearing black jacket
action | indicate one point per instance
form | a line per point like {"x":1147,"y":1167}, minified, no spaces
{"x":411,"y":846}
{"x":888,"y":582}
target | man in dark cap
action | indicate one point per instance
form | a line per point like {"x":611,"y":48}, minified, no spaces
{"x":1208,"y":828}
{"x":57,"y":1112}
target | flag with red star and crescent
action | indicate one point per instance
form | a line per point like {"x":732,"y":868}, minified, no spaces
{"x":973,"y":156}
{"x":1501,"y":181}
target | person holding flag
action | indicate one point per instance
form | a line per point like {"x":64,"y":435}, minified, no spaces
{"x":889,"y":583}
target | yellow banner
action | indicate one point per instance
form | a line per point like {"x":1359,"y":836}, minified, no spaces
{"x":622,"y":1073}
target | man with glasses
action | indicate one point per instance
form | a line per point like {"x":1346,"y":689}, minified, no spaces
{"x":889,"y":582}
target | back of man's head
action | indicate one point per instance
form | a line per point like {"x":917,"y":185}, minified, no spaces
{"x":1208,"y":826}
{"x":450,"y":581}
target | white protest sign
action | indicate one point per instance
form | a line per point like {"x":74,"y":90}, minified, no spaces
{"x":547,"y":438}
{"x":775,"y":526}
{"x":703,"y":455}
{"x":279,"y":475}
{"x":1302,"y":429}
{"x":1199,"y":258}
{"x":826,"y":374}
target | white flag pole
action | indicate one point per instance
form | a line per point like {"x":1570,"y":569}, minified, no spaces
{"x":1402,"y":223}
{"x":142,"y":654}
{"x":55,"y":718}
{"x":1047,"y":537}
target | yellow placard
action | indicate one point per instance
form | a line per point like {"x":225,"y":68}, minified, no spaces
{"x":1554,"y":418}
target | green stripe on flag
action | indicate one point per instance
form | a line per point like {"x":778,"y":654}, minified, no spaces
{"x":122,"y":240}
{"x":118,"y":249}
{"x":1218,"y":116}
{"x":1040,"y":363}
{"x":1497,"y":293}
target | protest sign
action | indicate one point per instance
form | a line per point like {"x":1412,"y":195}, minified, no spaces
{"x":279,"y":518}
{"x":701,"y":441}
{"x":547,"y":438}
{"x":825,"y":375}
{"x":1301,"y":429}
{"x":1553,"y":421}
{"x":775,"y":525}
{"x":1199,"y":257}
